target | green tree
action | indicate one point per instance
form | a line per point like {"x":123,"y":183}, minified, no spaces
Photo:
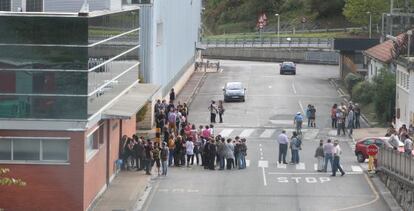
{"x":384,"y":97}
{"x":352,"y":79}
{"x":325,"y":8}
{"x":356,"y":10}
{"x":8,"y":180}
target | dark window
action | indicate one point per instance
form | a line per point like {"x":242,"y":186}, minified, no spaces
{"x":34,"y":5}
{"x":5,"y":5}
{"x":368,"y":142}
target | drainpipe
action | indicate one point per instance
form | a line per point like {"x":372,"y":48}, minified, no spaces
{"x":409,"y":33}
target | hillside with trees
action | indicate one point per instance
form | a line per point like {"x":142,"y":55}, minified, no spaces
{"x":236,"y":16}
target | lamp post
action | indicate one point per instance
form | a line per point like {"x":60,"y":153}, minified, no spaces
{"x":370,"y":23}
{"x":409,"y":33}
{"x":278,"y":27}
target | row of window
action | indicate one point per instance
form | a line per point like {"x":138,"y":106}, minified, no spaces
{"x":34,"y":150}
{"x":31,"y":5}
{"x":403,"y":79}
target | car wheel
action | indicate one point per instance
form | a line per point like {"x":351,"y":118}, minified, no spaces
{"x":294,"y":73}
{"x":244,"y":99}
{"x":360,"y":157}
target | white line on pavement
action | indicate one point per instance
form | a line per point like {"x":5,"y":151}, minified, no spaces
{"x":261,"y":158}
{"x":300,"y":166}
{"x":301,"y":106}
{"x":315,"y":166}
{"x":261,"y":149}
{"x":264,"y":177}
{"x":267,"y":133}
{"x":260,"y":145}
{"x":226,"y":132}
{"x":263,"y":163}
{"x":246,"y":133}
{"x":281,"y":166}
{"x":247,"y":163}
{"x":356,"y":168}
{"x":311,"y":173}
{"x":293,"y":87}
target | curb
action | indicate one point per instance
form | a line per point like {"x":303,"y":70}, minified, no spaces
{"x":195,"y":90}
{"x":383,"y":191}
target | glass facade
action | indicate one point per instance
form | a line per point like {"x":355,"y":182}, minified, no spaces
{"x":65,"y":67}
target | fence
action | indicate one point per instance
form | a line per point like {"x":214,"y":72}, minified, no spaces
{"x":293,"y":42}
{"x":396,"y":162}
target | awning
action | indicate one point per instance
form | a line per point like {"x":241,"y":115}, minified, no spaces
{"x":131,"y":102}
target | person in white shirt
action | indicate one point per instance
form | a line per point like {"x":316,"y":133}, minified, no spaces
{"x":283,"y":141}
{"x":336,"y":163}
{"x":189,"y":148}
{"x":408,"y":145}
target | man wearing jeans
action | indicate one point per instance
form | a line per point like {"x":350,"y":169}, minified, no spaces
{"x":283,"y":141}
{"x":336,"y":163}
{"x":242,"y":154}
{"x":328,"y":150}
{"x":164,"y":158}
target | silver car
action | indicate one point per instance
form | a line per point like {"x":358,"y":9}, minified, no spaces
{"x":234,"y":91}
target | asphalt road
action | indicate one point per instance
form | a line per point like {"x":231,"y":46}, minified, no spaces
{"x":271,"y":102}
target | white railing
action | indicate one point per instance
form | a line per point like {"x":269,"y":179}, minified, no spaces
{"x":396,"y":162}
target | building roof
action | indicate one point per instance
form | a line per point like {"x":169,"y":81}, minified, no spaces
{"x":383,"y":51}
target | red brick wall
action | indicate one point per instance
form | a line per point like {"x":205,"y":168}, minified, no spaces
{"x":49,"y":187}
{"x":114,"y":137}
{"x":129,"y":127}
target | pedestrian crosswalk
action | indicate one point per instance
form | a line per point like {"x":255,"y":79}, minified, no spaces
{"x":314,"y":167}
{"x":264,"y":133}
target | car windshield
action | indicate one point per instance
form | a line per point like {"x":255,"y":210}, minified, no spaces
{"x":234,"y":86}
{"x":290,"y":64}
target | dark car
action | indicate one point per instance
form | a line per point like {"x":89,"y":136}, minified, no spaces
{"x":288,"y":67}
{"x":361,"y":146}
{"x":234,"y":91}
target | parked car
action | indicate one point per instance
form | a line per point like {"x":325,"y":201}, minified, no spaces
{"x":288,"y":67}
{"x":362,"y":145}
{"x":234,"y":91}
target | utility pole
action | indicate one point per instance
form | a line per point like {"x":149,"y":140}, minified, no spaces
{"x":278,"y":27}
{"x":370,"y":23}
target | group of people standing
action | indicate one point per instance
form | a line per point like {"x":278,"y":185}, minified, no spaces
{"x":216,"y":109}
{"x":402,"y":135}
{"x":325,"y":153}
{"x":345,"y":116}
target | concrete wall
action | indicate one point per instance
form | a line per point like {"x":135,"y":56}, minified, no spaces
{"x":171,"y":31}
{"x":402,"y":101}
{"x":273,"y":54}
{"x":402,"y":190}
{"x":373,"y":68}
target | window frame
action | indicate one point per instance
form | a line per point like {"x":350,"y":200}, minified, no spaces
{"x":41,"y":160}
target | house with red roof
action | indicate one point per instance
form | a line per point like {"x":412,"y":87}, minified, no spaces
{"x":379,"y":57}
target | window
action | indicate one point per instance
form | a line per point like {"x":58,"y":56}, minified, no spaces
{"x":160,"y":33}
{"x":95,"y":139}
{"x":48,"y":150}
{"x":34,"y":5}
{"x":5,"y":5}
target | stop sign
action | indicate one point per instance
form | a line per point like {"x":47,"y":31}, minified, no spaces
{"x":372,"y":150}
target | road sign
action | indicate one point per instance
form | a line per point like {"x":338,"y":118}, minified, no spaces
{"x":372,"y":150}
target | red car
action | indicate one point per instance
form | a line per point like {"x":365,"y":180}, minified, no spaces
{"x":362,"y":145}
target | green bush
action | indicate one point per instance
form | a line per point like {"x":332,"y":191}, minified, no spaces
{"x":351,"y":80}
{"x":363,"y":92}
{"x":384,"y":98}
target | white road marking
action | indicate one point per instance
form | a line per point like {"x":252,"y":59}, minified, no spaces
{"x":281,"y":166}
{"x":247,"y":163}
{"x":263,"y":163}
{"x":261,"y":149}
{"x":282,"y":122}
{"x":260,"y":145}
{"x":246,"y":133}
{"x":315,"y":166}
{"x":311,"y":134}
{"x":264,"y":177}
{"x":311,"y":173}
{"x":301,"y":107}
{"x":226,"y":132}
{"x":267,"y":133}
{"x":300,"y":166}
{"x":356,"y":168}
{"x":261,"y":158}
{"x":309,"y":180}
{"x":163,"y":190}
{"x":270,"y":87}
{"x":293,"y":87}
{"x":261,"y":153}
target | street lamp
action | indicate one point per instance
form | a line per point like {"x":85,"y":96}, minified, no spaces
{"x":370,"y":23}
{"x":409,"y":33}
{"x":278,"y":26}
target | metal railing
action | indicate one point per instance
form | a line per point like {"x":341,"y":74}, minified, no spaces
{"x":293,"y":42}
{"x":396,"y":162}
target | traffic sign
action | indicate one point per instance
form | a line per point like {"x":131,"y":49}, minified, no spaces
{"x":372,"y":150}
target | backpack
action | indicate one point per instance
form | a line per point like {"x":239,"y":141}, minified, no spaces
{"x":299,"y":143}
{"x":164,"y":153}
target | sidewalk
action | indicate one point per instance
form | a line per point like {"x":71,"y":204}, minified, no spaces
{"x":124,"y":192}
{"x":190,"y":88}
{"x":368,"y":132}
